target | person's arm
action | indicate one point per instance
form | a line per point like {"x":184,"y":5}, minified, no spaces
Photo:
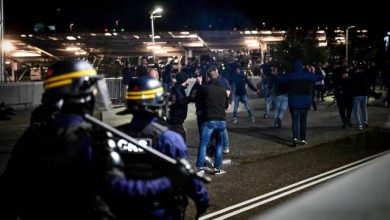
{"x":250,"y":84}
{"x":181,"y":98}
{"x":139,"y":188}
{"x":116,"y":182}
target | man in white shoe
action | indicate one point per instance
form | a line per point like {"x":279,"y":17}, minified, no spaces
{"x":213,"y":104}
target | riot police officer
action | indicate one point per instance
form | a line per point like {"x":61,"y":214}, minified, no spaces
{"x":148,"y":189}
{"x":50,"y":174}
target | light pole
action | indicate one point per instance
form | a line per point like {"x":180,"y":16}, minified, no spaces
{"x":2,"y":60}
{"x":152,"y":17}
{"x":346,"y":43}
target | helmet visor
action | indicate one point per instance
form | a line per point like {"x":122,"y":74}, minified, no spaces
{"x":103,"y":102}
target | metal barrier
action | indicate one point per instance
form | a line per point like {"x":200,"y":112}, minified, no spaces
{"x":115,"y":89}
{"x":29,"y":93}
{"x":21,"y":93}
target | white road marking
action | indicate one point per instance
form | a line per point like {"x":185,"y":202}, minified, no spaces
{"x":334,"y":173}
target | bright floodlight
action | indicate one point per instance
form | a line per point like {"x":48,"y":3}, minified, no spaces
{"x":157,"y":10}
{"x":8,"y":46}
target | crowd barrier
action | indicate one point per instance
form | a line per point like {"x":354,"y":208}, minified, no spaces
{"x":28,"y":94}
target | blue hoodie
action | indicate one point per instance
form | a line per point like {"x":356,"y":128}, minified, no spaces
{"x":299,"y":86}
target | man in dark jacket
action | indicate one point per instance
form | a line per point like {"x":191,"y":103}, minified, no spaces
{"x":343,"y":93}
{"x":240,"y":80}
{"x":360,"y":92}
{"x":142,"y":69}
{"x":300,"y":96}
{"x":179,"y":105}
{"x":214,"y":102}
{"x":167,"y":77}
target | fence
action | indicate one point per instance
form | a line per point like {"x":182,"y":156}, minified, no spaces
{"x":21,"y":93}
{"x":29,"y":93}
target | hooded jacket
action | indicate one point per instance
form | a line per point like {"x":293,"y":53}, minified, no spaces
{"x":299,"y":86}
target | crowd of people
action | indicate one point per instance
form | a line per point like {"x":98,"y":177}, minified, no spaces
{"x":80,"y":170}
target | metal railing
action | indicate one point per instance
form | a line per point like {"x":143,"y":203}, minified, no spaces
{"x":29,"y":93}
{"x":21,"y":93}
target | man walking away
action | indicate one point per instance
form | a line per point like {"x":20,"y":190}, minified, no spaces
{"x":300,"y":96}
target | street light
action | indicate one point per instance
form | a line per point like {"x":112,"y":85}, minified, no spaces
{"x":346,"y":43}
{"x":2,"y":60}
{"x":152,"y":17}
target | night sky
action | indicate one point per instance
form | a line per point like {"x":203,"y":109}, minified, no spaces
{"x":133,"y":15}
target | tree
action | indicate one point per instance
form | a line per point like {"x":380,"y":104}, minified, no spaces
{"x":299,"y":44}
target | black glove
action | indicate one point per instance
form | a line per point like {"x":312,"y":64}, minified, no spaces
{"x":201,"y":208}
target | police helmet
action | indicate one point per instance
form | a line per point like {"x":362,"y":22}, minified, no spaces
{"x":145,"y":94}
{"x":71,"y":82}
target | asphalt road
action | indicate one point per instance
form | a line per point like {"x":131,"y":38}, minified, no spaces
{"x":261,"y":157}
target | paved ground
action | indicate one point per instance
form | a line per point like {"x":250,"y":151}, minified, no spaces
{"x":261,"y":140}
{"x":248,"y":141}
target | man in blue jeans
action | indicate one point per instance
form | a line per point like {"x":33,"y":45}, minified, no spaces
{"x":213,"y":105}
{"x":240,"y":80}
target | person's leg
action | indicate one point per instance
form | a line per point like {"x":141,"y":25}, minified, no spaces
{"x":236,"y":103}
{"x":183,"y":132}
{"x":356,"y":111}
{"x":341,"y":107}
{"x":363,"y":105}
{"x":317,"y":91}
{"x":247,"y":106}
{"x":268,"y":102}
{"x":295,"y":123}
{"x":212,"y":144}
{"x":225,"y":139}
{"x":283,"y":108}
{"x":266,"y":99}
{"x":322,"y":92}
{"x":199,"y":120}
{"x":221,"y":125}
{"x":303,"y":121}
{"x":348,"y":108}
{"x":207,"y":129}
{"x":278,"y":106}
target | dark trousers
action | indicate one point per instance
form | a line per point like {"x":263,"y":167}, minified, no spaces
{"x":319,"y":92}
{"x":179,"y":129}
{"x":344,"y":103}
{"x":299,"y":118}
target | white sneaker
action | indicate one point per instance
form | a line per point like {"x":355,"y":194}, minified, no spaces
{"x":226,"y":150}
{"x":253,"y":119}
{"x":234,"y":120}
{"x":200,"y":171}
{"x":218,"y":171}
